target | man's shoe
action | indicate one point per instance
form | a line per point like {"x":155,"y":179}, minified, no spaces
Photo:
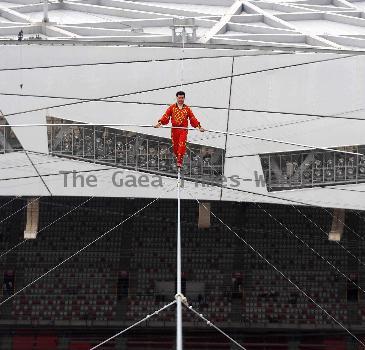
{"x":179,"y":161}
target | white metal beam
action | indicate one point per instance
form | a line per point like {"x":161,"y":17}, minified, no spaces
{"x":273,"y":20}
{"x":13,"y":15}
{"x":54,"y":31}
{"x":221,"y":26}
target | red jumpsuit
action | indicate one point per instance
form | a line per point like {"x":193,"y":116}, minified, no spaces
{"x":179,"y":117}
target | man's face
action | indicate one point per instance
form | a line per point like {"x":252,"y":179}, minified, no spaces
{"x":180,"y":99}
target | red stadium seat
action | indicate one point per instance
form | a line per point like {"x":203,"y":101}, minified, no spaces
{"x":46,"y":343}
{"x":23,"y":343}
{"x":80,"y":346}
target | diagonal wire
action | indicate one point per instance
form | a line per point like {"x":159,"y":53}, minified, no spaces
{"x":361,"y":218}
{"x":209,"y":323}
{"x":81,"y":250}
{"x":326,"y":234}
{"x":237,"y":134}
{"x":286,"y":113}
{"x":17,"y":211}
{"x":10,"y":201}
{"x":281,"y":273}
{"x":111,"y":167}
{"x":311,"y":248}
{"x":134,"y":324}
{"x":174,"y":86}
{"x":37,"y":171}
{"x":347,"y":226}
{"x":44,"y":228}
{"x":111,"y":63}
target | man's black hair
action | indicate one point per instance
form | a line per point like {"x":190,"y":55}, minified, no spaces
{"x":180,"y":93}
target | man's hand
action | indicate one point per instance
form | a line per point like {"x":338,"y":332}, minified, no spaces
{"x":201,"y":129}
{"x":157,"y":125}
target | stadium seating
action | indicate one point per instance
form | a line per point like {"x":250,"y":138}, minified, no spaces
{"x":222,"y":278}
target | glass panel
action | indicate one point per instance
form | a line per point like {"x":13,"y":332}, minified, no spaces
{"x":109,"y":145}
{"x":313,"y":168}
{"x":306,"y":168}
{"x":8,"y":140}
{"x":78,"y":142}
{"x":286,"y":169}
{"x":165,"y":157}
{"x":142,"y":155}
{"x":88,"y":133}
{"x":361,"y":168}
{"x":121,"y":149}
{"x":133,"y":150}
{"x":318,"y":167}
{"x":351,"y":164}
{"x":330,"y":159}
{"x":153,"y":155}
{"x":275,"y":170}
{"x":265,"y":163}
{"x":66,"y":140}
{"x":99,"y":144}
{"x":2,"y":139}
{"x":12,"y":142}
{"x":340,"y":163}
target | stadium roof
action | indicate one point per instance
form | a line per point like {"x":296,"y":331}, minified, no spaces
{"x":337,"y":24}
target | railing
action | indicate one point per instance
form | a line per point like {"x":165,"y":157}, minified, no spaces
{"x":291,"y":170}
{"x":132,"y":150}
{"x":8,"y":140}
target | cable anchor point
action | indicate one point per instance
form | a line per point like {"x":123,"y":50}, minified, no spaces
{"x":182,"y":297}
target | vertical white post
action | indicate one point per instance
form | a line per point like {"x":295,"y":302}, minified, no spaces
{"x":45,"y":11}
{"x":183,"y":34}
{"x":178,"y":274}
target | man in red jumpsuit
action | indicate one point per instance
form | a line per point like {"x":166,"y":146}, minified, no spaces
{"x":179,"y":114}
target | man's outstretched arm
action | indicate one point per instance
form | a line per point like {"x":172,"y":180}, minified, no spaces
{"x":165,"y":118}
{"x":193,"y":121}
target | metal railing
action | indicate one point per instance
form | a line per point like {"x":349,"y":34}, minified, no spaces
{"x":8,"y":140}
{"x":132,"y":150}
{"x":299,"y":169}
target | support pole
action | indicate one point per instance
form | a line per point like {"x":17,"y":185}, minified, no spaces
{"x":45,"y":11}
{"x":178,"y":272}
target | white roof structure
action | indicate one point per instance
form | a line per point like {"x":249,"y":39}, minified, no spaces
{"x":292,"y":72}
{"x":305,"y":23}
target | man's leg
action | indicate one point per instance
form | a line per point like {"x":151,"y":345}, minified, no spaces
{"x":175,"y":140}
{"x":181,"y":147}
